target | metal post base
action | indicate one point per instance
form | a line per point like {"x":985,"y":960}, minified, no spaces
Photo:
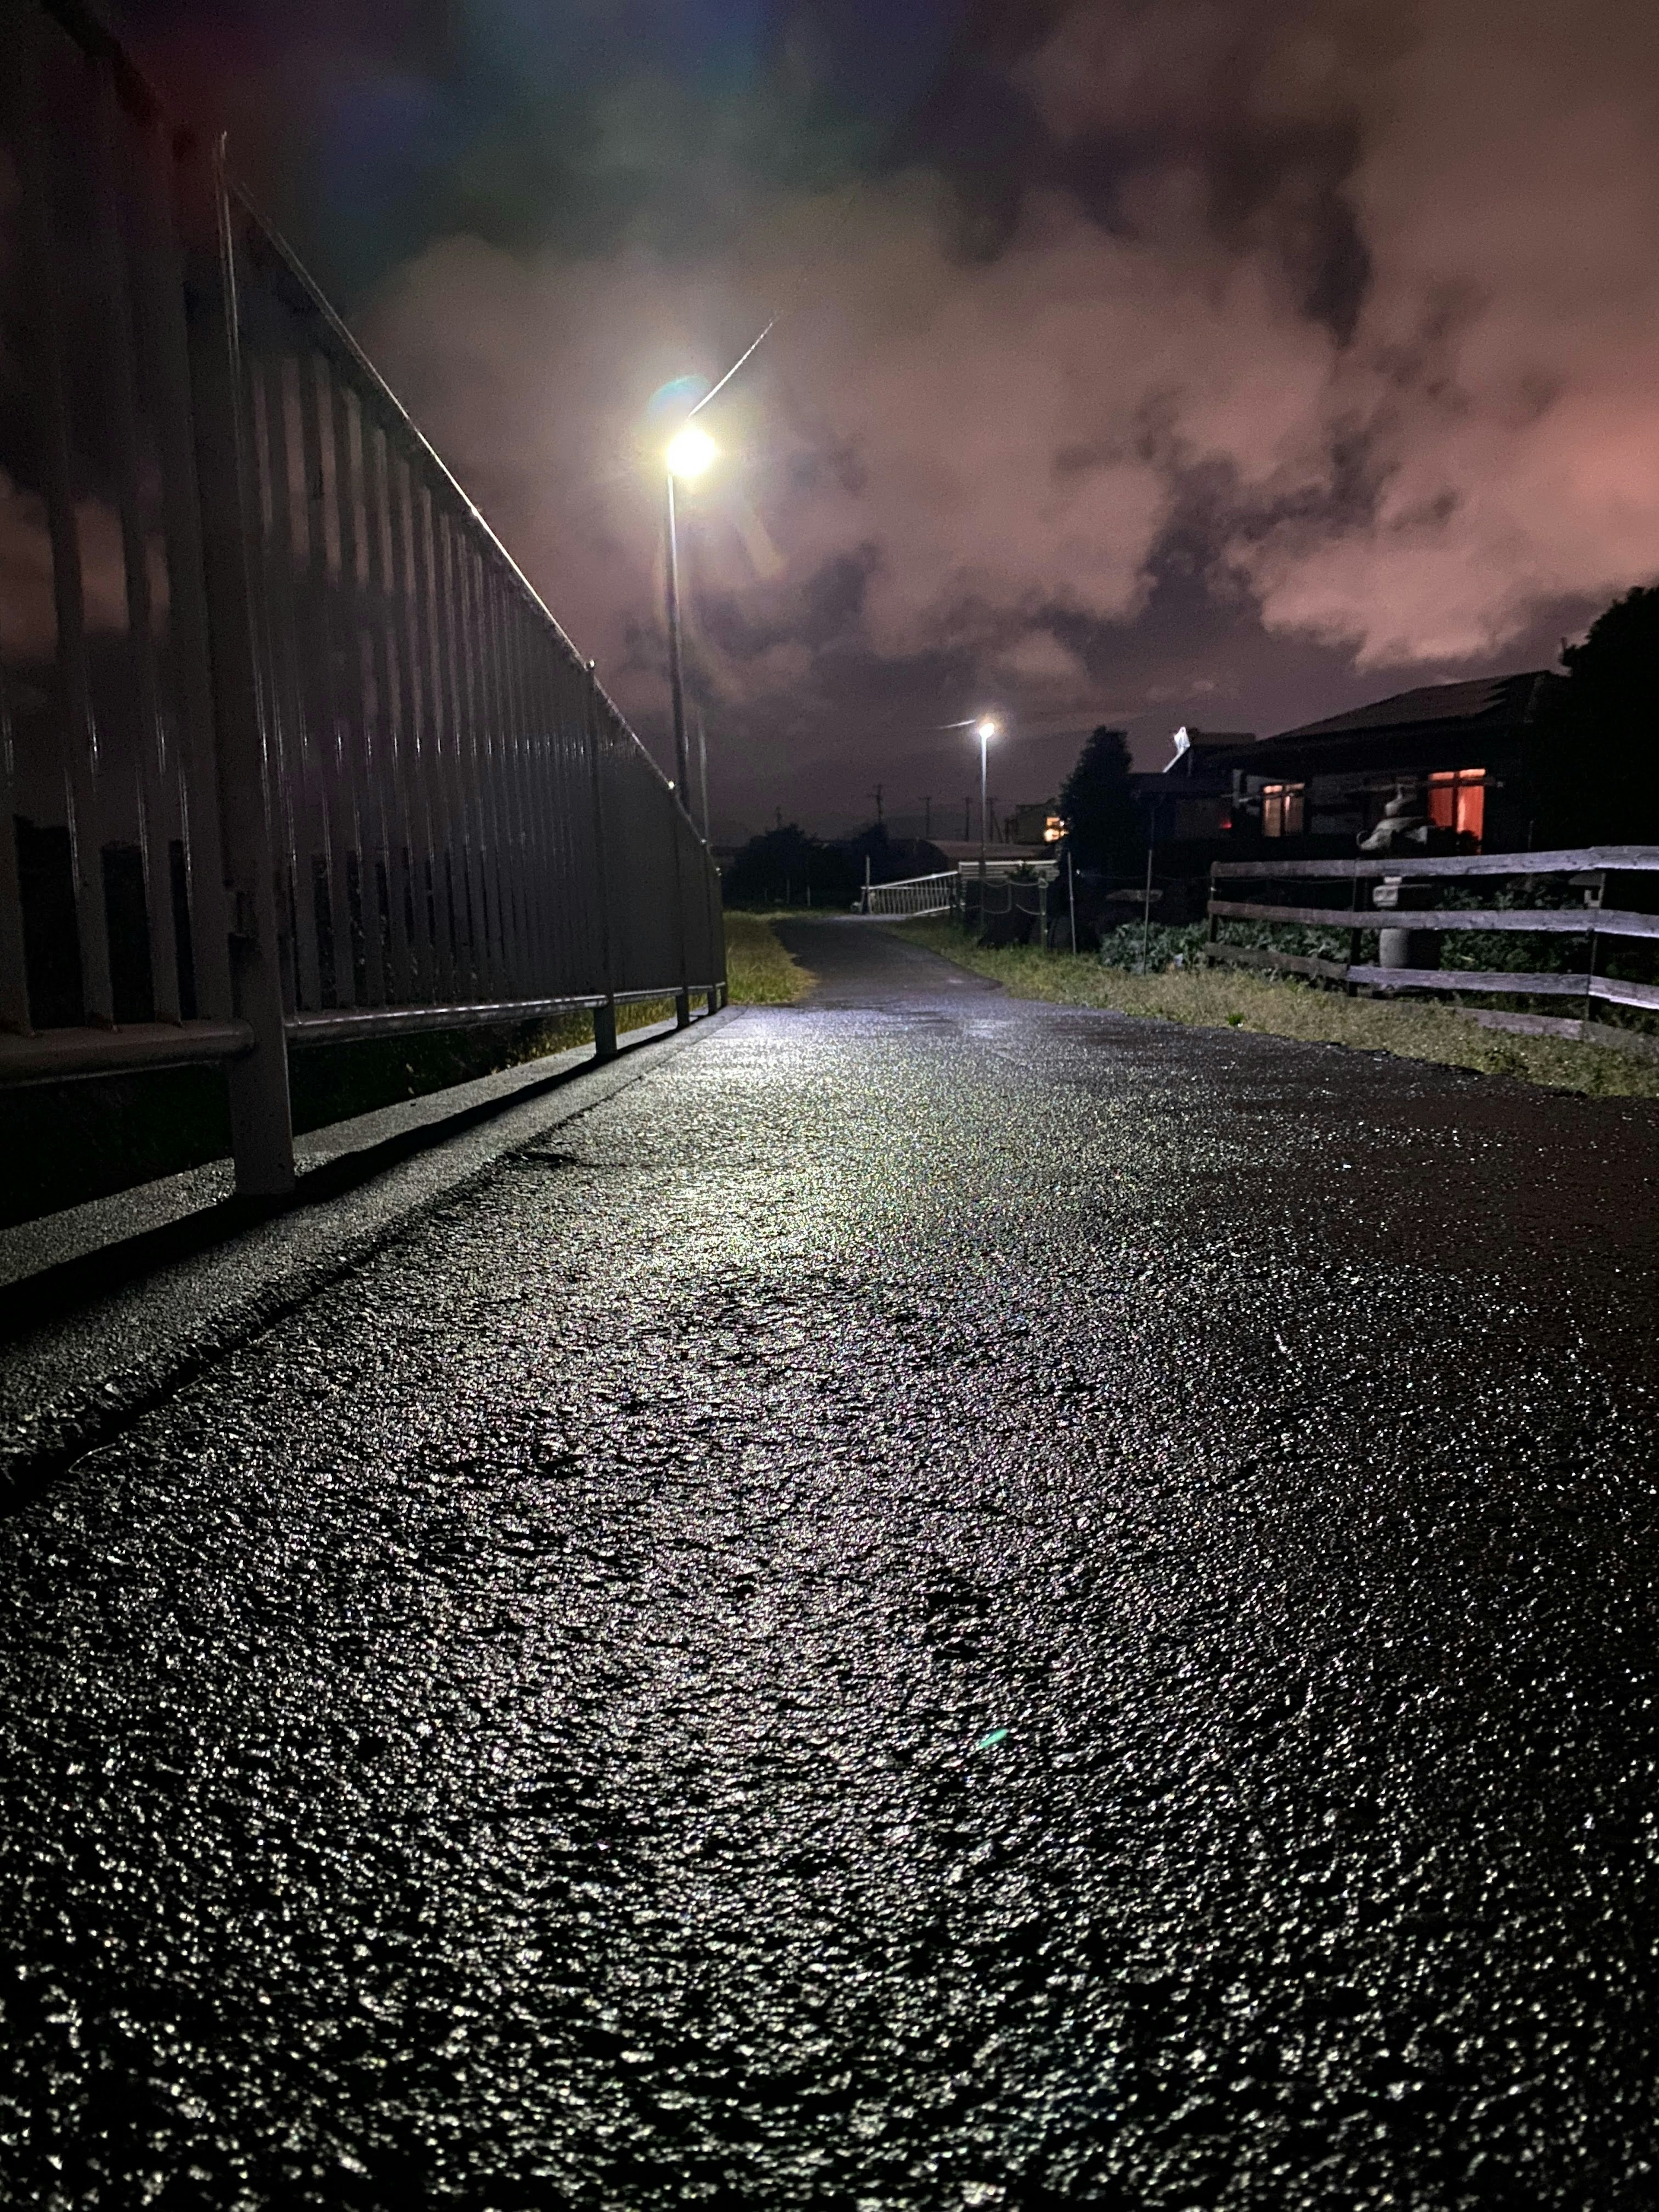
{"x":682,"y":1010}
{"x":605,"y":1030}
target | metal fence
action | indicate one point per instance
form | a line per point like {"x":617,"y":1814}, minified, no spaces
{"x":913,"y":895}
{"x":291,"y":752}
{"x":1396,"y":901}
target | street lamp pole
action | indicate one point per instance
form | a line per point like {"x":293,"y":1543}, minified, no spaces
{"x":985,"y":731}
{"x":676,"y":664}
{"x":690,"y":452}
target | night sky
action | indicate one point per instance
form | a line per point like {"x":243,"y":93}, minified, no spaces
{"x":1222,"y":361}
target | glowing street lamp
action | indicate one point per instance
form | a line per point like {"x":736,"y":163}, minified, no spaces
{"x":984,"y":730}
{"x":690,"y":452}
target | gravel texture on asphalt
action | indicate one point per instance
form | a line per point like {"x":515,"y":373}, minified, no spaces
{"x":945,"y":1603}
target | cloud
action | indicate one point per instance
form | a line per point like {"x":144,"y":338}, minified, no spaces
{"x":1352,"y":304}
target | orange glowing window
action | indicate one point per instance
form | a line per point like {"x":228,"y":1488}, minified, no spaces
{"x":1282,"y":809}
{"x":1457,"y":800}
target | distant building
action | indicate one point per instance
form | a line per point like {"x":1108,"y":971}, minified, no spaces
{"x":1037,"y":822}
{"x":1455,"y":748}
{"x":1191,"y":796}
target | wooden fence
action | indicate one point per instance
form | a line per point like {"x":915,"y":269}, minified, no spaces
{"x":1619,"y":884}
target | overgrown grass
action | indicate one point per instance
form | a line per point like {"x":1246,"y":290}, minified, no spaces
{"x":759,"y":972}
{"x":1228,"y":998}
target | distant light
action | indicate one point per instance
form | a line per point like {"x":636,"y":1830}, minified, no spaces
{"x":987,"y":728}
{"x":690,"y":453}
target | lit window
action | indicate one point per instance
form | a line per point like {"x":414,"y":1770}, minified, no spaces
{"x":1457,"y":800}
{"x":1054,"y":830}
{"x":1281,"y":809}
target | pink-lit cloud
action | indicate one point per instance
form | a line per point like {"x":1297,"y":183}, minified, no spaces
{"x":1369,"y":290}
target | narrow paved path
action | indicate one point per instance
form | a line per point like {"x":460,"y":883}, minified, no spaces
{"x":943,"y":1603}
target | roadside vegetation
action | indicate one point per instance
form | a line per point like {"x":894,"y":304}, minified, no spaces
{"x":1229,"y":998}
{"x":759,"y":972}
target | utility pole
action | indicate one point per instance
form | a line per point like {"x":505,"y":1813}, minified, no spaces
{"x":967,"y":819}
{"x":927,"y":820}
{"x":876,"y":795}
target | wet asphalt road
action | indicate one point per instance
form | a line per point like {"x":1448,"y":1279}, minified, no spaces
{"x":942,"y":1603}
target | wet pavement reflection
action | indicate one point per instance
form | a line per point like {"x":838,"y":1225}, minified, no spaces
{"x":943,"y":1603}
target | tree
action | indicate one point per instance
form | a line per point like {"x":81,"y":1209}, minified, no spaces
{"x":781,"y":868}
{"x":1101,"y":825}
{"x":1592,"y":761}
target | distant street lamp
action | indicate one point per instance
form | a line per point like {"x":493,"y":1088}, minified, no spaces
{"x":984,"y":730}
{"x":690,"y":454}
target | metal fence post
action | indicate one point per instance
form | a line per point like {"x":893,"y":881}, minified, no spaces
{"x":683,"y":996}
{"x":262,"y":1125}
{"x":605,"y":1016}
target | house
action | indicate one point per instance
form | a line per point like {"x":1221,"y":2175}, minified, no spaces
{"x":1455,"y":751}
{"x":1192,"y":795}
{"x":1035,"y":821}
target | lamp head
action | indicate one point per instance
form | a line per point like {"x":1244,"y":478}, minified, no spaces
{"x":986,"y":729}
{"x":690,"y":452}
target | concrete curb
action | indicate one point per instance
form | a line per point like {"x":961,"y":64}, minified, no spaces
{"x":71,"y":1383}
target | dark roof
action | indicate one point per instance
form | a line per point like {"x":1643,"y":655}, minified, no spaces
{"x":1485,"y":699}
{"x":1484,"y":712}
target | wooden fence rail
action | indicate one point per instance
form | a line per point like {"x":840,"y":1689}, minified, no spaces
{"x":1630,"y":871}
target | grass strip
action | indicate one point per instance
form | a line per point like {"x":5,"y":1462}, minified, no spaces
{"x":1230,"y":998}
{"x":759,"y":971}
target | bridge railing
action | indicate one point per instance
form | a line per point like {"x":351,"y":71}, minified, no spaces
{"x":290,"y":750}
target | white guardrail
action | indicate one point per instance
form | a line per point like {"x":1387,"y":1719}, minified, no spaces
{"x":916,"y":895}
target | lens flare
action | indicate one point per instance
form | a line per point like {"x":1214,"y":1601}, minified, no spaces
{"x":690,"y":453}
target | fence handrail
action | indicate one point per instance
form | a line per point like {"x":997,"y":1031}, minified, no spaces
{"x":1635,"y":860}
{"x":1558,"y":921}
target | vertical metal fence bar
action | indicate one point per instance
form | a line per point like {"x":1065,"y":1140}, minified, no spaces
{"x":534,"y":738}
{"x":572,"y":797}
{"x":40,"y":268}
{"x":262,"y":1131}
{"x":605,"y":1030}
{"x":430,"y":554}
{"x":156,"y":810}
{"x":525,"y":734}
{"x":560,"y":692}
{"x":165,"y":194}
{"x":463,"y":892}
{"x":416,"y":732}
{"x":15,"y":1012}
{"x":285,"y":732}
{"x":494,"y":739}
{"x":296,"y":742}
{"x":323,"y":659}
{"x":392,"y":775}
{"x":357,"y":721}
{"x":417,"y":630}
{"x":480,"y":639}
{"x":469,"y":754}
{"x":468,"y":888}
